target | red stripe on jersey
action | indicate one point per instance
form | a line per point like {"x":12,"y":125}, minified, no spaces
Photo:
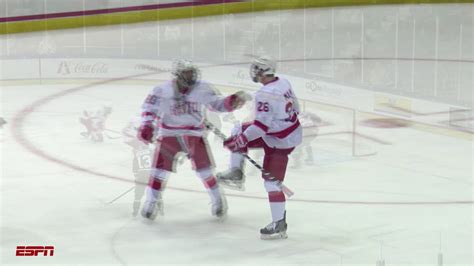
{"x":276,"y":196}
{"x":155,"y":183}
{"x":210,"y":182}
{"x":268,"y":82}
{"x":285,"y":132}
{"x":149,"y":114}
{"x":201,"y":126}
{"x":260,"y":125}
{"x":293,"y":118}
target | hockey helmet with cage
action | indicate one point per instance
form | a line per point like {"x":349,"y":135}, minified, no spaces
{"x":185,"y":72}
{"x":262,"y":66}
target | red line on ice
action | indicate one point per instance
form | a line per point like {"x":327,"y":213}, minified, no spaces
{"x":18,"y":134}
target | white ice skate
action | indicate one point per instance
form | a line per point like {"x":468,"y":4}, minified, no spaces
{"x":152,"y":208}
{"x":219,"y":207}
{"x":233,"y":178}
{"x":135,"y":207}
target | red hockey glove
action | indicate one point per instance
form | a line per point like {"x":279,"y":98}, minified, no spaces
{"x":241,"y":98}
{"x":237,"y":143}
{"x":237,"y":100}
{"x":145,"y":132}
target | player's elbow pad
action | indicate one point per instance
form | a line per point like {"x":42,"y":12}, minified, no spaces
{"x":254,"y":132}
{"x":148,"y":116}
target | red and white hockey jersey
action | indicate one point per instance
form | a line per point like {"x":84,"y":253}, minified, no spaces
{"x":276,"y":116}
{"x":182,"y":113}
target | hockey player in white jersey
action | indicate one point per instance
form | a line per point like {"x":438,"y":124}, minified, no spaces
{"x":277,"y":130}
{"x":177,"y":108}
{"x":94,"y":122}
{"x":142,"y":160}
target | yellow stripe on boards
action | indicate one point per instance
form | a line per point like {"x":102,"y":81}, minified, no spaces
{"x":188,"y":12}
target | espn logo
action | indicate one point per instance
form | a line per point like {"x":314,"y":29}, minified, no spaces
{"x":34,"y":250}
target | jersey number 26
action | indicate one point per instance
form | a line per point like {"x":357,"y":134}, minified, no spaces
{"x":262,"y":107}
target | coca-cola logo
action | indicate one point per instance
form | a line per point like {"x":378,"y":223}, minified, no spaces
{"x":67,"y":67}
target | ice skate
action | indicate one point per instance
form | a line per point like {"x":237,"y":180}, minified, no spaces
{"x":152,"y":208}
{"x":97,"y":137}
{"x":135,"y":208}
{"x":233,"y":178}
{"x":275,"y":230}
{"x":2,"y":122}
{"x":219,"y":207}
{"x":309,"y":156}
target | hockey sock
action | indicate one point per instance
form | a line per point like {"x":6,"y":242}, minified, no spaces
{"x":212,"y":188}
{"x":139,"y":191}
{"x":210,"y":182}
{"x":276,"y":198}
{"x":236,"y":160}
{"x":153,"y":189}
{"x":277,"y":204}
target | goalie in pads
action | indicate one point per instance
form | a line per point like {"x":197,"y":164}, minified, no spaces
{"x":177,"y":109}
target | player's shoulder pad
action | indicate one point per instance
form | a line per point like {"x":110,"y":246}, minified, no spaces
{"x":202,"y":83}
{"x":276,"y":85}
{"x":285,"y":81}
{"x":266,"y":95}
{"x":270,"y":92}
{"x":205,"y":88}
{"x":157,"y":89}
{"x":164,"y":89}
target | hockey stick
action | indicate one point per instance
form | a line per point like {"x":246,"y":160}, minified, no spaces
{"x":117,"y":133}
{"x":219,"y":133}
{"x":111,"y":137}
{"x":165,"y":152}
{"x":121,"y":195}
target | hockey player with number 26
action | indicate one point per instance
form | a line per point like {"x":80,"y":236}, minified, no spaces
{"x":277,"y":130}
{"x":177,"y":109}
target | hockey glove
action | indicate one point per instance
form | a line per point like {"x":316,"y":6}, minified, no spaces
{"x":237,"y":143}
{"x":145,"y":132}
{"x":237,"y":100}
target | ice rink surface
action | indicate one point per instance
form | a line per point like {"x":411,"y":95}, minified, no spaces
{"x":408,"y":202}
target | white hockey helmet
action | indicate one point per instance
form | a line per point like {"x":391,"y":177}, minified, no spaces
{"x":262,"y":66}
{"x":185,"y":72}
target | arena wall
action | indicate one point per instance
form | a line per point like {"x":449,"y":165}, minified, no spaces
{"x":27,"y":16}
